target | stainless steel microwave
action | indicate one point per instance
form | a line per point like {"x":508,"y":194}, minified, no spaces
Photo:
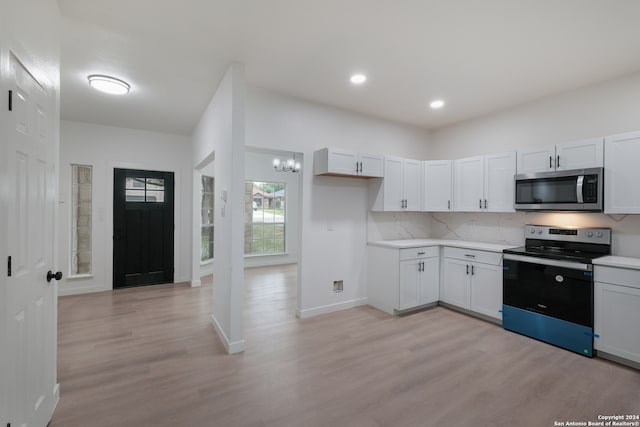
{"x":570,"y":190}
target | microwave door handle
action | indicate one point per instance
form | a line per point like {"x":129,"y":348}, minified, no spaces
{"x":579,"y":186}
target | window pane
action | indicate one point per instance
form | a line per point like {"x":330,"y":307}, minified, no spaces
{"x":207,"y":217}
{"x":135,"y":183}
{"x":265,"y":217}
{"x":134,"y":196}
{"x":155,"y":184}
{"x":155,"y":196}
{"x":81,"y":209}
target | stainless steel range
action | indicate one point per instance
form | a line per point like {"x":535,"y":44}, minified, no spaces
{"x":548,"y":285}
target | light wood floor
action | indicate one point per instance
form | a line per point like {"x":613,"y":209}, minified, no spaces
{"x":150,"y":357}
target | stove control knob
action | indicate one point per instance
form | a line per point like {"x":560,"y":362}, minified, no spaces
{"x":533,"y":230}
{"x":539,"y":230}
{"x":589,"y":233}
{"x":599,"y":234}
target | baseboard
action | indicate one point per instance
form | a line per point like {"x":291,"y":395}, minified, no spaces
{"x":196,"y":283}
{"x":324,"y":309}
{"x":617,"y":359}
{"x":80,"y":290}
{"x":231,"y":347}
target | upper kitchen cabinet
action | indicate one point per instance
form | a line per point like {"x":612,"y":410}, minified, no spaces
{"x":400,"y":190}
{"x":581,"y":154}
{"x":336,"y":162}
{"x":621,"y":153}
{"x":484,"y":183}
{"x":437,"y":185}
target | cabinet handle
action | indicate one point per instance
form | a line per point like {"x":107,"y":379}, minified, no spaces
{"x":480,"y":206}
{"x":472,"y":270}
{"x":467,"y":269}
{"x":449,"y":204}
{"x":357,"y":170}
{"x":421,"y":253}
{"x":469,"y":255}
{"x":422,"y":265}
{"x":550,"y":160}
{"x":485,"y":203}
{"x":558,"y":161}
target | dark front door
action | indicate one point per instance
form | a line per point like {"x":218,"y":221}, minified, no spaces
{"x":142,"y":227}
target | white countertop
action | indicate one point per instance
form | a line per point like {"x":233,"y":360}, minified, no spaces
{"x":618,"y":261}
{"x":414,"y":243}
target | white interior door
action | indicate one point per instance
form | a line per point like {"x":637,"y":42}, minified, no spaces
{"x":30,"y":308}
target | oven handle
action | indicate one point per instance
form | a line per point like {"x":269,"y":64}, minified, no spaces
{"x":551,"y":262}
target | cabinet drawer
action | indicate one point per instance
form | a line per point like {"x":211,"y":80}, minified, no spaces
{"x":617,"y":276}
{"x":471,"y":255}
{"x":421,"y":252}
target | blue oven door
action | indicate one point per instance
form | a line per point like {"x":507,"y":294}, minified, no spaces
{"x":550,"y":300}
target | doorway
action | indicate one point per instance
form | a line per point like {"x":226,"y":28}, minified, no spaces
{"x":143,"y":227}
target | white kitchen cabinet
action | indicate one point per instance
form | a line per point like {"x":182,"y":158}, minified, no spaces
{"x":468,"y":184}
{"x":484,"y":183}
{"x":437,"y":186}
{"x":617,"y":312}
{"x":472,"y":280}
{"x":400,"y":189}
{"x":332,"y":161}
{"x":587,"y":153}
{"x":403,"y":279}
{"x":621,"y":165}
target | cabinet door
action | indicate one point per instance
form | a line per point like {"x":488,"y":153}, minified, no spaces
{"x":616,"y":317}
{"x":486,"y":290}
{"x":456,"y":282}
{"x":370,"y":165}
{"x":336,"y":162}
{"x":499,"y":185}
{"x":588,"y":153}
{"x":536,"y":160}
{"x":621,"y":166}
{"x":436,"y":196}
{"x":468,"y":182}
{"x":429,"y":280}
{"x":412,"y":180}
{"x":392,"y":184}
{"x":409,"y":284}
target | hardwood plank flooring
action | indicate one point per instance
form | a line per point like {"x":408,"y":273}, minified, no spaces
{"x":150,"y":357}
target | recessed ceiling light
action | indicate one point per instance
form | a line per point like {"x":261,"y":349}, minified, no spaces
{"x":438,"y":103}
{"x":109,"y":84}
{"x":358,"y":79}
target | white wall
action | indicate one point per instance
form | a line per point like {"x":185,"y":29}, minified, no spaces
{"x":603,"y":109}
{"x":259,"y":167}
{"x":220,"y":136}
{"x":106,"y":148}
{"x":22,"y":25}
{"x":334,"y":210}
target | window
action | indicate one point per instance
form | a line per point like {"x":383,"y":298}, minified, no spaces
{"x":265,"y":218}
{"x":81,"y":183}
{"x":149,"y":190}
{"x":207,"y":213}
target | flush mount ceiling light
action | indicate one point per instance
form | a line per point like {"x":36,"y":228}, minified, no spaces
{"x":109,"y":84}
{"x":358,"y":79}
{"x":438,"y":103}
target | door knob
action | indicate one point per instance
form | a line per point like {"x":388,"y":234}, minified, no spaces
{"x":51,"y":275}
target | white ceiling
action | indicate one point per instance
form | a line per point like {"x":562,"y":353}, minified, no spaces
{"x":479,"y":56}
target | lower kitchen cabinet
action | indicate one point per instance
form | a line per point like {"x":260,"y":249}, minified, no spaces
{"x":403,"y":279}
{"x":617,"y":312}
{"x":472,"y":280}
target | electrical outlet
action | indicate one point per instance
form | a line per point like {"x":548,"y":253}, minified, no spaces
{"x":338,"y":285}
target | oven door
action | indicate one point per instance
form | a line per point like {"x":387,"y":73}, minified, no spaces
{"x":559,"y":289}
